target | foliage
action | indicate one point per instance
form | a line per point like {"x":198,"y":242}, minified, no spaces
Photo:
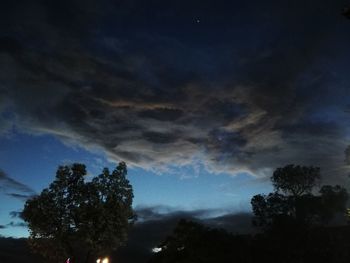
{"x":75,"y":217}
{"x":295,"y":180}
{"x":333,"y":200}
{"x":273,"y":207}
{"x":194,"y":242}
{"x":293,"y":203}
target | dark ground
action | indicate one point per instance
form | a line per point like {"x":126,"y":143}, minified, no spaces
{"x":143,"y":237}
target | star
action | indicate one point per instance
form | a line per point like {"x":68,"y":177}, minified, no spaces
{"x":198,"y":20}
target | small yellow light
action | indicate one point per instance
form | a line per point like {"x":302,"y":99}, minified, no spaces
{"x":98,"y":260}
{"x":105,"y":260}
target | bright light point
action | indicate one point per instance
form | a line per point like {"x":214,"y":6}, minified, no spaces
{"x":105,"y":260}
{"x":156,"y":249}
{"x":180,"y":248}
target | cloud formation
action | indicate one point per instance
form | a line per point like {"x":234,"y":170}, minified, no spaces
{"x":234,"y":222}
{"x":238,"y":222}
{"x":22,"y":197}
{"x":17,"y":224}
{"x":15,"y":214}
{"x":14,"y":188}
{"x":249,"y":89}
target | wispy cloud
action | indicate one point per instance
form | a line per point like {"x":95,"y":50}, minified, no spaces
{"x":16,"y":224}
{"x":15,"y":214}
{"x":22,"y":197}
{"x":14,"y":188}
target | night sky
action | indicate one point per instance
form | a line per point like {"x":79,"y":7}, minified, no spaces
{"x":202,"y":99}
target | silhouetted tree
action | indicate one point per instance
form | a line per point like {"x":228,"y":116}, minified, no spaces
{"x":333,"y":200}
{"x":295,"y":219}
{"x":293,"y":203}
{"x":73,"y":217}
{"x":196,"y":243}
{"x":295,"y":180}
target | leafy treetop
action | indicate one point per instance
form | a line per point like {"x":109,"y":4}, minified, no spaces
{"x":295,"y":180}
{"x":73,"y":217}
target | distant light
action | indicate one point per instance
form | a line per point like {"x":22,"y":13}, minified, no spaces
{"x":105,"y":260}
{"x":156,"y":249}
{"x":180,"y":248}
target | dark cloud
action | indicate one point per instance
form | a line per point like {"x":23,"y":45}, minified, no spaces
{"x":8,"y":184}
{"x":162,"y":114}
{"x":239,"y":222}
{"x":22,"y":197}
{"x":250,"y":88}
{"x":156,"y":213}
{"x":14,"y":189}
{"x":17,"y":224}
{"x":15,"y":214}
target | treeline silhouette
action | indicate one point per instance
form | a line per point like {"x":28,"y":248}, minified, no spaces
{"x":297,"y":223}
{"x":193,"y":242}
{"x":300,"y":221}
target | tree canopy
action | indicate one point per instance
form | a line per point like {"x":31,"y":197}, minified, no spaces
{"x":295,"y":180}
{"x":298,"y":220}
{"x":195,"y":242}
{"x":75,"y":217}
{"x":294,"y":203}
